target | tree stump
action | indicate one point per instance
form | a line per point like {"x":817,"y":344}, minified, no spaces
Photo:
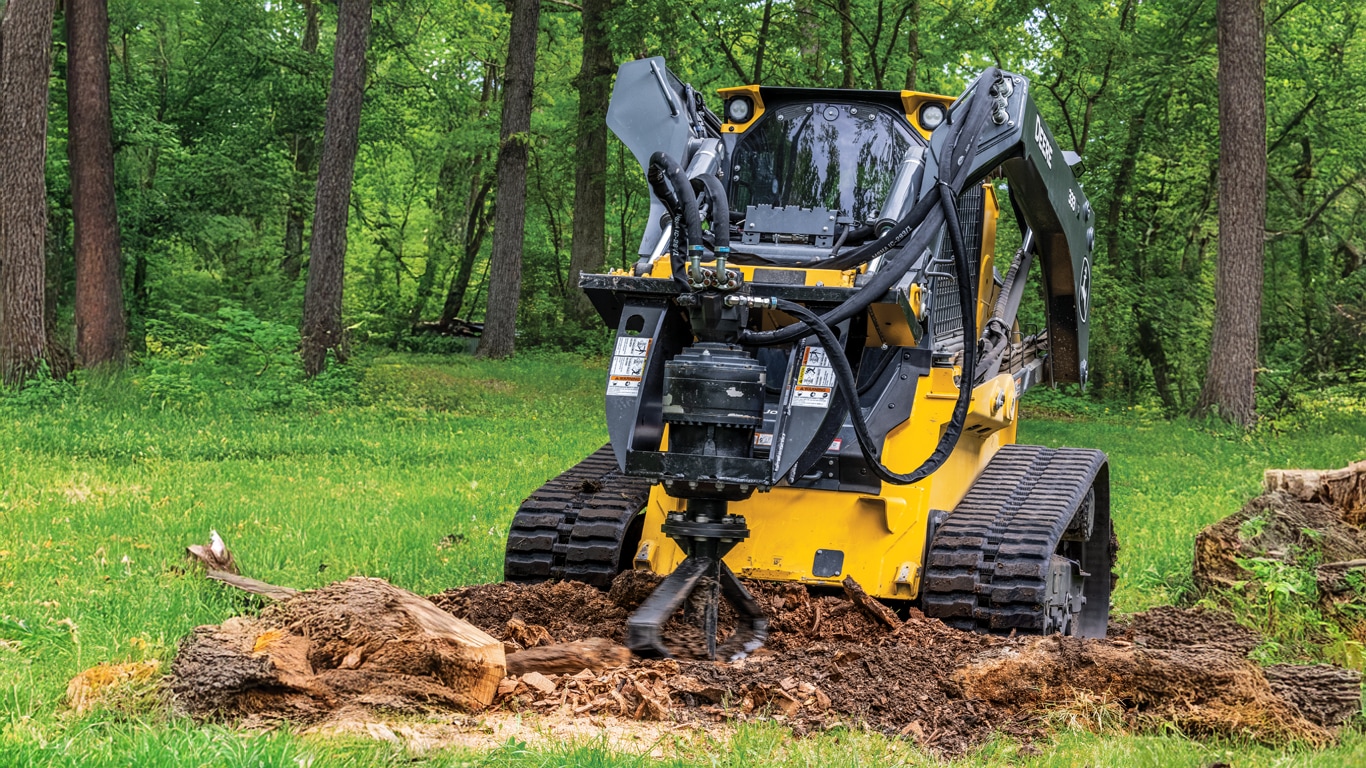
{"x":361,"y":641}
{"x":1344,"y":489}
{"x":1275,"y":525}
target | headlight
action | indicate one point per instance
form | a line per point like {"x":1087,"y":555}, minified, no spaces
{"x":739,"y":109}
{"x":932,"y":115}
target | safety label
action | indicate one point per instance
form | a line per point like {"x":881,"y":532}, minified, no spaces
{"x":628,"y":366}
{"x":815,"y":380}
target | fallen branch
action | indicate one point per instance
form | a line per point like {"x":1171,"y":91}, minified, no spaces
{"x":254,"y":586}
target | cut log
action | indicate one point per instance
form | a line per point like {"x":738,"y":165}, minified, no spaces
{"x":869,"y":604}
{"x":1343,"y":488}
{"x":1324,"y":694}
{"x":597,"y":654}
{"x":360,"y":641}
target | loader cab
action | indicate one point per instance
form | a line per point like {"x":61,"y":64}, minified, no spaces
{"x":812,"y":167}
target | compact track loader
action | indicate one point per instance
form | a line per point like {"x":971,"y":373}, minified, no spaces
{"x":818,"y":366}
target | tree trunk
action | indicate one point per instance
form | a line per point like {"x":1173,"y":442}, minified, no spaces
{"x":477,"y":226}
{"x":322,"y":329}
{"x":101,"y":328}
{"x":588,"y":249}
{"x":305,"y":148}
{"x":1230,"y":383}
{"x":913,"y":46}
{"x":26,"y":31}
{"x":505,"y":276}
{"x":762,"y":45}
{"x":846,"y":10}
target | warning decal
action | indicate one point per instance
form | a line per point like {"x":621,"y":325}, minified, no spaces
{"x":628,"y":366}
{"x":815,"y":380}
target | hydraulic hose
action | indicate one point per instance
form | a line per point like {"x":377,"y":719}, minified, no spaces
{"x":719,"y":210}
{"x":847,"y":385}
{"x":665,"y":172}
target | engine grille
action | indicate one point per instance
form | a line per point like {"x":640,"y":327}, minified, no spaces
{"x":946,"y":317}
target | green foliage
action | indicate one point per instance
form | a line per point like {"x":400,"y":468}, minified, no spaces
{"x":215,"y":105}
{"x":191,"y":360}
{"x":41,"y":389}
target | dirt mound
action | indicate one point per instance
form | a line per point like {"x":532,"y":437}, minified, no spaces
{"x":567,"y":610}
{"x":830,"y":661}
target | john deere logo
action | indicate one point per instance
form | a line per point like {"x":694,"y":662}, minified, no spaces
{"x":1084,"y":289}
{"x":1041,"y":138}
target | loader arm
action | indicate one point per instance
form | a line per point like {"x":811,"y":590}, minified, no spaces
{"x":1052,"y":206}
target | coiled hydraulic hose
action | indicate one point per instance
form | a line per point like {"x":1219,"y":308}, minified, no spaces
{"x":719,"y":210}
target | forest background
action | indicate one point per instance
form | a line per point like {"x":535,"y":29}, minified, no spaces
{"x":217,"y":127}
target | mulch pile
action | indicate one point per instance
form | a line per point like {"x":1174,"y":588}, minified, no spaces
{"x":827,"y":664}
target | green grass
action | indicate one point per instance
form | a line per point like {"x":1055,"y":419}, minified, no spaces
{"x":414,"y":479}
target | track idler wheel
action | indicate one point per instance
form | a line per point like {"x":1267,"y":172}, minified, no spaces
{"x":706,"y":537}
{"x":1087,"y":554}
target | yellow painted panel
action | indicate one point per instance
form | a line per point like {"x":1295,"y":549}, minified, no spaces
{"x":878,"y":534}
{"x":752,"y":91}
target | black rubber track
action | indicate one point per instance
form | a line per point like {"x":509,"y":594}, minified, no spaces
{"x":988,"y":563}
{"x":573,"y":527}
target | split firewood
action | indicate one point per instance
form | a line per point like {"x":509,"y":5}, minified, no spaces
{"x":869,"y":604}
{"x":214,"y":555}
{"x":596,"y":654}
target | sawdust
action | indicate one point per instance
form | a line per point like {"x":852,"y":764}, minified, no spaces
{"x":107,"y":683}
{"x":652,"y":739}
